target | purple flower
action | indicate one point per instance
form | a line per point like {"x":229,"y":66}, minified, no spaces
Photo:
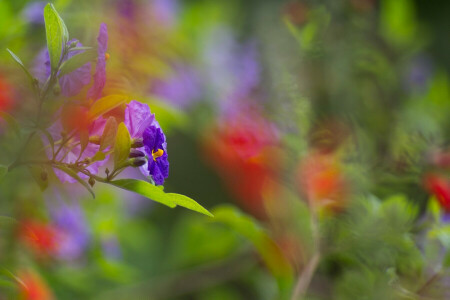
{"x":100,"y":69}
{"x":70,"y":153}
{"x":181,"y":88}
{"x":165,"y":11}
{"x":155,"y":147}
{"x":74,"y":236}
{"x":141,"y":124}
{"x":34,"y":12}
{"x":72,"y":83}
{"x":111,"y":247}
{"x":233,"y":70}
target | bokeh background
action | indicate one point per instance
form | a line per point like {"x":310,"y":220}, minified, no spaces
{"x":316,"y":132}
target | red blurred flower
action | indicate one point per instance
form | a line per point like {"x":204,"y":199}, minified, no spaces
{"x":322,"y":181}
{"x":75,"y":117}
{"x":244,"y":151}
{"x":32,"y":287}
{"x":439,"y":187}
{"x":6,"y":95}
{"x":40,"y":237}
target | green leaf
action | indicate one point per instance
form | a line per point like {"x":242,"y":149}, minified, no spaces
{"x":11,"y":122}
{"x":145,"y":189}
{"x":75,"y":176}
{"x":186,"y":202}
{"x":77,"y":61}
{"x":3,"y":171}
{"x":106,"y":104}
{"x":98,"y":156}
{"x":19,"y":61}
{"x":122,"y":145}
{"x":109,"y":134}
{"x":56,"y":33}
{"x":249,"y":228}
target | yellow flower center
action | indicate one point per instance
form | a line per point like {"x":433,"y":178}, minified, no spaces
{"x":157,"y":154}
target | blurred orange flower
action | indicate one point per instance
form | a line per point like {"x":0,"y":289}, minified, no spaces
{"x":32,"y":287}
{"x":321,"y":179}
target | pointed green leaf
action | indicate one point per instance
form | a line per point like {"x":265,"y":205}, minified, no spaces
{"x":75,"y":176}
{"x":3,"y":171}
{"x":122,"y":145}
{"x":145,"y":189}
{"x":109,"y":134}
{"x":188,"y":203}
{"x":19,"y":61}
{"x":98,"y":156}
{"x":55,"y":33}
{"x":11,"y":122}
{"x":77,"y":61}
{"x":106,"y":104}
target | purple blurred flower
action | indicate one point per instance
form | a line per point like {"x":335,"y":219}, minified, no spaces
{"x":111,"y":247}
{"x":141,"y":124}
{"x":165,"y":11}
{"x":233,"y":70}
{"x":419,"y":73}
{"x":74,"y":236}
{"x":34,"y":12}
{"x":181,"y":88}
{"x":100,"y":69}
{"x":72,"y":83}
{"x":70,"y":153}
{"x":445,"y":218}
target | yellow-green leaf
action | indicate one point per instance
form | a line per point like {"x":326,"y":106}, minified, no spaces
{"x":122,"y":145}
{"x":145,"y":189}
{"x":186,"y":202}
{"x":55,"y":35}
{"x":106,"y":104}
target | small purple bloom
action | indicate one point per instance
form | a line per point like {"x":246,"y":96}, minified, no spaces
{"x":155,"y":146}
{"x":141,"y":124}
{"x":181,"y":88}
{"x":34,"y":12}
{"x":100,"y":69}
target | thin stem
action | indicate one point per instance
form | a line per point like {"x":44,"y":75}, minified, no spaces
{"x":306,"y":276}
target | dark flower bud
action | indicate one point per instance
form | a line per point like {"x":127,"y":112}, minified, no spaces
{"x":137,"y":162}
{"x":56,"y":90}
{"x":95,"y":139}
{"x":137,"y":143}
{"x":44,"y":175}
{"x":107,"y":172}
{"x":73,"y":44}
{"x":136,"y":153}
{"x":91,"y":181}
